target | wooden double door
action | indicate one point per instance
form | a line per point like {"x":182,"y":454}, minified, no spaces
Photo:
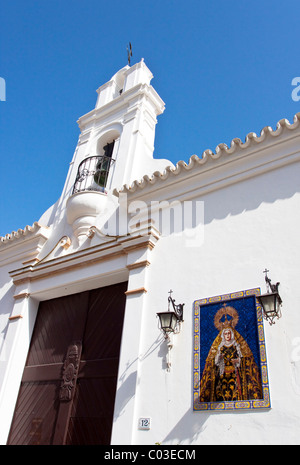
{"x":68,"y":387}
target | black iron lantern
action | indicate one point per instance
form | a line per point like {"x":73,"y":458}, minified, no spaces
{"x":170,"y":319}
{"x":271,"y":302}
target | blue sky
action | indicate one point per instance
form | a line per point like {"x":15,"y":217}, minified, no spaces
{"x":223,"y":68}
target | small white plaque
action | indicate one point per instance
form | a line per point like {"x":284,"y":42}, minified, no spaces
{"x":144,"y":423}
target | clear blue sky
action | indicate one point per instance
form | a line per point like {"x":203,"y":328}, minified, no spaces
{"x":223,"y":68}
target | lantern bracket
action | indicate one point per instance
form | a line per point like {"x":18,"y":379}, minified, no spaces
{"x":169,"y":320}
{"x":270,"y":302}
{"x":178,"y":308}
{"x":169,"y":323}
{"x":272,"y":288}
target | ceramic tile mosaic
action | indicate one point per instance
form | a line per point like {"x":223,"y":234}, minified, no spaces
{"x":230,"y":366}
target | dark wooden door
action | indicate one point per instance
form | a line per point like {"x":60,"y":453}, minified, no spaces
{"x":68,"y":387}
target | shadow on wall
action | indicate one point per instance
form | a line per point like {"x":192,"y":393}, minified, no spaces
{"x":249,"y":195}
{"x":170,"y":218}
{"x":173,"y":216}
{"x":189,"y":428}
{"x":124,"y":394}
{"x":127,"y":389}
{"x":193,"y":424}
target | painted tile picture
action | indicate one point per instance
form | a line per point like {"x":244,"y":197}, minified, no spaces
{"x":230,"y":367}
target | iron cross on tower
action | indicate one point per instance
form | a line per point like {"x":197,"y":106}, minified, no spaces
{"x":129,"y":53}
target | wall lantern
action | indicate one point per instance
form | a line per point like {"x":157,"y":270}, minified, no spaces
{"x":169,"y":320}
{"x":270,"y":302}
{"x":170,"y":323}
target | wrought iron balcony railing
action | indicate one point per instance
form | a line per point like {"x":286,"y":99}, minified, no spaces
{"x":92,"y":174}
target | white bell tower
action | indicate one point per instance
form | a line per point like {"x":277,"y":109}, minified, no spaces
{"x":125,"y":115}
{"x":115,"y":146}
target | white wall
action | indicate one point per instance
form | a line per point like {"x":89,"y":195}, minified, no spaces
{"x":248,"y":226}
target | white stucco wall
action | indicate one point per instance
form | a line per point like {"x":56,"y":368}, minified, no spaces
{"x":249,"y":226}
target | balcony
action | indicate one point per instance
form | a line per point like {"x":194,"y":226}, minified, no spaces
{"x":92,"y":174}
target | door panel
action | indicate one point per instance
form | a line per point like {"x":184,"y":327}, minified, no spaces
{"x":92,"y":410}
{"x":58,"y":402}
{"x":35,"y":414}
{"x":60,"y":321}
{"x":104,"y":324}
{"x":92,"y":413}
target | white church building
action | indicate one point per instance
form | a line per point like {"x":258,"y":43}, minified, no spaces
{"x":130,"y":311}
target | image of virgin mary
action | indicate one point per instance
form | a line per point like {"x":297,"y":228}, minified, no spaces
{"x":230,"y":372}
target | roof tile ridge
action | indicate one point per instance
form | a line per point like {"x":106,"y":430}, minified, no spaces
{"x":21,"y":232}
{"x":236,"y":144}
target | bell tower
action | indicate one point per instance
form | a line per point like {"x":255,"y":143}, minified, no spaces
{"x":116,"y":144}
{"x":119,"y":133}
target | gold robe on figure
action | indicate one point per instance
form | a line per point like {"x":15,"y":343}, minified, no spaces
{"x":235,"y":378}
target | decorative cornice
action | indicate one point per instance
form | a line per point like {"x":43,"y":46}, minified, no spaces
{"x":134,"y":266}
{"x":57,"y":266}
{"x":15,"y":317}
{"x":140,"y":290}
{"x":23,"y":295}
{"x":82,"y":258}
{"x":236,"y":147}
{"x":126,"y":98}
